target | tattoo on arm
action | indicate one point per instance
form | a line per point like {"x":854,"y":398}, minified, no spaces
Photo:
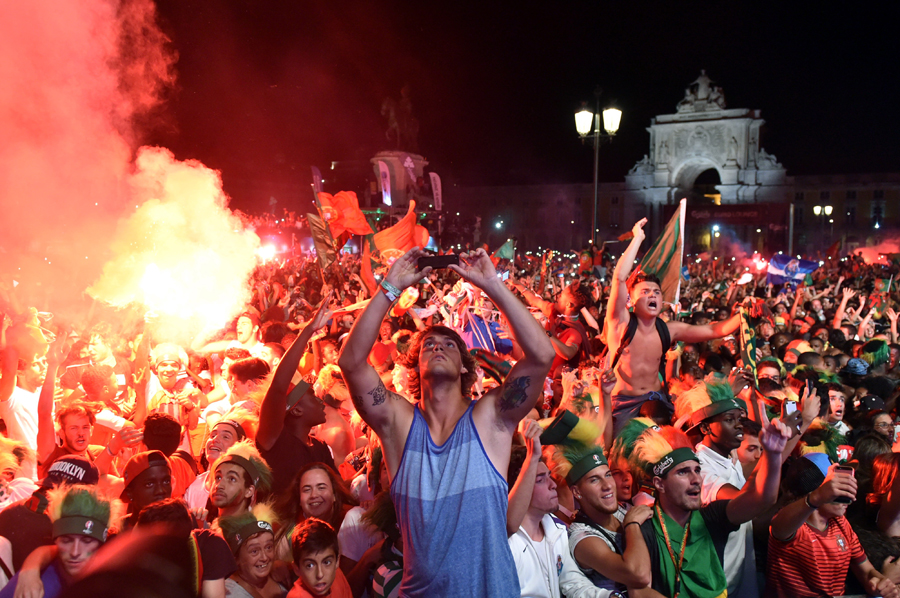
{"x":379,"y":394}
{"x":514,"y":393}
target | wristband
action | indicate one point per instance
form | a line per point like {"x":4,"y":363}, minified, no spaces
{"x":632,"y":523}
{"x":111,"y":454}
{"x":392,"y":292}
{"x":809,"y":504}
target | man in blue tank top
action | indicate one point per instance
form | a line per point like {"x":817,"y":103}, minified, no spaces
{"x":445,"y":454}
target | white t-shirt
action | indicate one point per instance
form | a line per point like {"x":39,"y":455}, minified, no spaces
{"x":580,"y":531}
{"x":196,"y":495}
{"x":740,"y":559}
{"x":21,"y":417}
{"x":355,"y":537}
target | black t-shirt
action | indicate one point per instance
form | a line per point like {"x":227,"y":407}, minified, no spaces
{"x":289,"y":455}
{"x":25,"y":528}
{"x":717,"y":526}
{"x":218,"y":560}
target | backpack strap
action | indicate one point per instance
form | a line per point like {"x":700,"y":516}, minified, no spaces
{"x":626,"y":339}
{"x":663,"y":330}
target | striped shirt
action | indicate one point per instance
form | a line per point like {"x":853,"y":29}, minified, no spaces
{"x":812,"y":563}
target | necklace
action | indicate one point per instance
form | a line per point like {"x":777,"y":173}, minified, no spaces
{"x":680,"y":562}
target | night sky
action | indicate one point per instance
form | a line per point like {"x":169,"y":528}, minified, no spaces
{"x":267,"y":88}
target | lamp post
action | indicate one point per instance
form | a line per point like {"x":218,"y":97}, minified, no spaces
{"x":822,"y":212}
{"x":585,"y":120}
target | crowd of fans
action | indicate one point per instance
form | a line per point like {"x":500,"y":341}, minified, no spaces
{"x":489,"y":429}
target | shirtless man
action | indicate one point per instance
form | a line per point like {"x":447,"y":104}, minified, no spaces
{"x":445,"y":455}
{"x":637,"y":371}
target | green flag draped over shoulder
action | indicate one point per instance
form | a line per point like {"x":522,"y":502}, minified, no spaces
{"x":664,"y":258}
{"x":322,"y":240}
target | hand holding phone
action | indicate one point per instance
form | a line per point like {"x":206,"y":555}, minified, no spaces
{"x":845,"y":471}
{"x":438,"y":261}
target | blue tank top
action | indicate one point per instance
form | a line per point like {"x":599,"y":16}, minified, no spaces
{"x":451,"y":506}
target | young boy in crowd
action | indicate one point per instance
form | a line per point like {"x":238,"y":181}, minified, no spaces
{"x":314,"y":545}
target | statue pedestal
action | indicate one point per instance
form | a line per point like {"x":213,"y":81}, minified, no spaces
{"x":404,"y":170}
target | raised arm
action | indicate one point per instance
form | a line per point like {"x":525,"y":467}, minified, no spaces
{"x":520,"y":495}
{"x":274,"y":405}
{"x":762,"y":491}
{"x":632,"y":567}
{"x":366,"y":388}
{"x":839,"y":314}
{"x":525,"y":382}
{"x":789,"y":519}
{"x":690,"y":333}
{"x":46,"y":438}
{"x":617,"y":307}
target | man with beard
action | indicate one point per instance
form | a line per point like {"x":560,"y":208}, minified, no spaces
{"x":236,"y":425}
{"x":716,"y":414}
{"x":237,"y":477}
{"x":686,"y":541}
{"x":638,"y":341}
{"x":76,"y":424}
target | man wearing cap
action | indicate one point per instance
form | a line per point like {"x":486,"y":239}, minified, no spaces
{"x":148,"y":479}
{"x":811,"y":543}
{"x":26,"y":524}
{"x":287,"y":415}
{"x":686,"y":541}
{"x":539,"y":542}
{"x":716,"y":414}
{"x":81,"y":522}
{"x":597,"y":533}
{"x":237,"y":477}
{"x":637,"y":361}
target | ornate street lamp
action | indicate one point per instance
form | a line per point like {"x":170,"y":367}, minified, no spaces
{"x":587,"y":123}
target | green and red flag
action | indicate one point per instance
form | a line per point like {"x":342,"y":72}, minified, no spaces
{"x":382,"y":248}
{"x":878,"y":300}
{"x":342,"y":215}
{"x":507,"y":251}
{"x":665,"y":256}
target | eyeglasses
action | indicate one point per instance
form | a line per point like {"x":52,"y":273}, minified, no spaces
{"x":883,"y":426}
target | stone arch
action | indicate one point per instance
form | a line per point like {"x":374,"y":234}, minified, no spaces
{"x":687,"y":172}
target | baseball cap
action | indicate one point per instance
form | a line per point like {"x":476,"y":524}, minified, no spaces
{"x":855,"y":366}
{"x":806,"y":473}
{"x":140,"y":463}
{"x":71,"y":470}
{"x":871,"y":403}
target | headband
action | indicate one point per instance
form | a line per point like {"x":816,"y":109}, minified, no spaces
{"x":248,"y":466}
{"x":581,"y":467}
{"x":82,"y":526}
{"x":246,"y":532}
{"x":237,"y":427}
{"x":676,"y":457}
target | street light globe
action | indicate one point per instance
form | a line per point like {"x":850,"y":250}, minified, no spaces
{"x":828,"y":210}
{"x":817,"y":210}
{"x":611,"y":119}
{"x":584,"y":120}
{"x":715,"y":228}
{"x":497,"y":225}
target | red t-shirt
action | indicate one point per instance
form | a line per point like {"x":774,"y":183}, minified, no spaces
{"x":812,"y":563}
{"x":339,"y":589}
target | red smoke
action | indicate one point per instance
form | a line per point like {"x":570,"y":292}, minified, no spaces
{"x":76,"y":78}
